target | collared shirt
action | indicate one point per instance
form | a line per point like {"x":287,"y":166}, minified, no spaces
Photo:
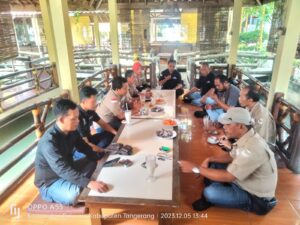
{"x":173,"y":82}
{"x":110,"y":107}
{"x":264,"y":123}
{"x":254,"y":165}
{"x":86,"y":119}
{"x":132,"y":91}
{"x":54,"y":157}
{"x":205,"y":83}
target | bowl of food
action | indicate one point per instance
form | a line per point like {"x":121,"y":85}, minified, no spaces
{"x":160,"y":101}
{"x":170,"y":122}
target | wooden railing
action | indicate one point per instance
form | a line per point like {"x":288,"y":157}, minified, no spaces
{"x":36,"y":79}
{"x":100,"y":80}
{"x":287,"y":118}
{"x":39,"y":112}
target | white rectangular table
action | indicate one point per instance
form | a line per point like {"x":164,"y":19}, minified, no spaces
{"x":128,"y":186}
{"x":169,"y":97}
{"x":131,"y":182}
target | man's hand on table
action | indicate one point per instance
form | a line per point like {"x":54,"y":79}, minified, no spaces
{"x":98,"y":186}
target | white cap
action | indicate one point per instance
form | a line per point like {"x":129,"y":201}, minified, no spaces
{"x":236,"y":115}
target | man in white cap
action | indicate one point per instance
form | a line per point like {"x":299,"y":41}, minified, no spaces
{"x":246,"y":178}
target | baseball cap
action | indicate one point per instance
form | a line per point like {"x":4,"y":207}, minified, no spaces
{"x":236,"y":115}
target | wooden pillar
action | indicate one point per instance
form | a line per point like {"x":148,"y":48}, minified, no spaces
{"x":235,"y":32}
{"x":49,"y":34}
{"x":96,"y":32}
{"x":37,"y":37}
{"x":113,"y":19}
{"x":286,"y":50}
{"x":58,"y":15}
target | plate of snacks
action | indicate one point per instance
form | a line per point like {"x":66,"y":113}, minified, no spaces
{"x":167,"y":134}
{"x":157,"y":109}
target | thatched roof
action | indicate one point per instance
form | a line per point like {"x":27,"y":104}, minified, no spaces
{"x":137,"y":4}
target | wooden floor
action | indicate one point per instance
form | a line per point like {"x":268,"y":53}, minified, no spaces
{"x":287,"y":212}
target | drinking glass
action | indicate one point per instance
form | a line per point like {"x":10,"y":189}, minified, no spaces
{"x":150,"y":165}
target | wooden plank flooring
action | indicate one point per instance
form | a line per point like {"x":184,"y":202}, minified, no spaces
{"x":287,"y":212}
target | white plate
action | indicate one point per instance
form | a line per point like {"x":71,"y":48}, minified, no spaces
{"x":174,"y":134}
{"x":212,"y":140}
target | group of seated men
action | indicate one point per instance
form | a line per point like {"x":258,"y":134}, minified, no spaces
{"x":245,"y":177}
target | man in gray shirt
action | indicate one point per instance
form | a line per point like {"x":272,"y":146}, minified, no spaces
{"x":227,"y":96}
{"x":263,"y":121}
{"x":246,"y":178}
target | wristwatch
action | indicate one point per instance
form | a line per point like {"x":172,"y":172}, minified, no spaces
{"x":196,"y":170}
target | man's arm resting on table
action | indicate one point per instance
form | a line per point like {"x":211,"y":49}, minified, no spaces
{"x":106,"y":127}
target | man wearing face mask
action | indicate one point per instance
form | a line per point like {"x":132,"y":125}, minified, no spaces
{"x":170,"y":79}
{"x":245,"y":178}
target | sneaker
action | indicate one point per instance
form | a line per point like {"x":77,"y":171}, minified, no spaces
{"x":201,"y":204}
{"x":186,"y":99}
{"x":200,"y":114}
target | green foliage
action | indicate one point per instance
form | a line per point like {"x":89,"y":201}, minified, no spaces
{"x":251,"y":37}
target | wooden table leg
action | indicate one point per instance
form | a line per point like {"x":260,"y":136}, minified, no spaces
{"x":95,"y":215}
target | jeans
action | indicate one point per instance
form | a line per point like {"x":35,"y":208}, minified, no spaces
{"x":231,"y":195}
{"x":196,"y":97}
{"x":227,"y":195}
{"x":102,"y":139}
{"x":65,"y":192}
{"x":214,"y":114}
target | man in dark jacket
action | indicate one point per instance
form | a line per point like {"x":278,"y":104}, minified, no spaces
{"x":203,"y":85}
{"x":170,"y":79}
{"x":59,"y":178}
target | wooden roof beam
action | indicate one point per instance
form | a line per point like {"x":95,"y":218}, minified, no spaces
{"x":99,"y":4}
